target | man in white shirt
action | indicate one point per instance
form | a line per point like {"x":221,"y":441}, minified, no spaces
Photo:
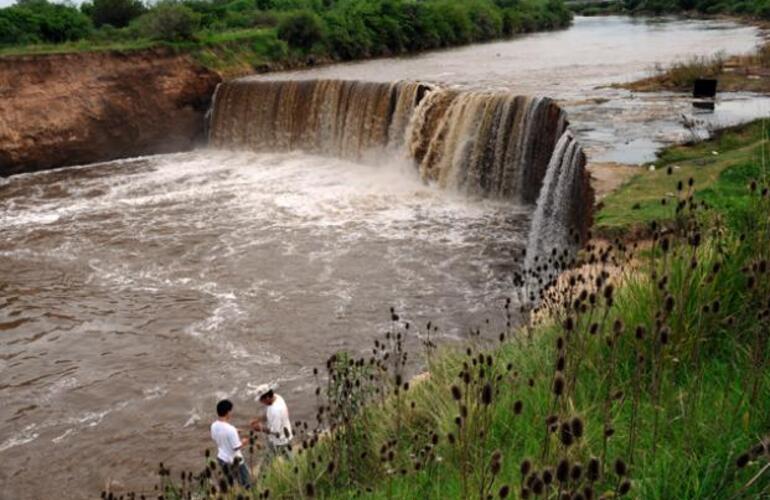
{"x":229,"y":445}
{"x":276,"y":423}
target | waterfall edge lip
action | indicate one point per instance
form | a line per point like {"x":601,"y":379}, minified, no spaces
{"x":486,"y":143}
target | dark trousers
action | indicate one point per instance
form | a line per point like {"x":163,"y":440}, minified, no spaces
{"x":239,"y":471}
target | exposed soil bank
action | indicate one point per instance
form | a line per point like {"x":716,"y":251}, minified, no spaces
{"x":67,"y":109}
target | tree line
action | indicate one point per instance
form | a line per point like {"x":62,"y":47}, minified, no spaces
{"x":343,"y":29}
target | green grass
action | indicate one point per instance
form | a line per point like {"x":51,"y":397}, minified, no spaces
{"x":78,"y":46}
{"x":234,"y":37}
{"x":706,"y":414}
{"x":721,"y":180}
{"x":668,"y":348}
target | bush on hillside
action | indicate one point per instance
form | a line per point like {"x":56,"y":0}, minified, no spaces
{"x":117,"y":13}
{"x":32,"y":21}
{"x":169,"y":21}
{"x":301,"y":29}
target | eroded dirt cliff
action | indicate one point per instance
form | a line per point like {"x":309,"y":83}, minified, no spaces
{"x":69,"y":109}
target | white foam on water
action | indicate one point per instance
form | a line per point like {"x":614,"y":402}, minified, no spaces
{"x":27,"y":435}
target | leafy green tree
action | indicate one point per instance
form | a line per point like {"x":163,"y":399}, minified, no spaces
{"x":31,"y":21}
{"x":301,"y":29}
{"x":117,"y":13}
{"x":170,"y":21}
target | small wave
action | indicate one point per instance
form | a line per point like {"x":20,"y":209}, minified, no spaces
{"x":27,"y":435}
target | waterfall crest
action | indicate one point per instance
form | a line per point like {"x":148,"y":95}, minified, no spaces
{"x":560,"y":207}
{"x":332,"y":117}
{"x":481,"y":143}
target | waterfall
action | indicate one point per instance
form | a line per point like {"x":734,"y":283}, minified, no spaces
{"x":489,"y":144}
{"x":560,"y":204}
{"x":333,"y":117}
{"x":482,"y":143}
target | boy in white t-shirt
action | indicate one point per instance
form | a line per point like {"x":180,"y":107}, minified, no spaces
{"x":276,"y":423}
{"x":229,"y":445}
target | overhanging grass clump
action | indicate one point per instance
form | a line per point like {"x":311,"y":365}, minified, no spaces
{"x":644,"y":374}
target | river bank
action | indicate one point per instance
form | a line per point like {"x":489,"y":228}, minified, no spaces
{"x":139,"y":291}
{"x":610,"y":394}
{"x":70,"y":109}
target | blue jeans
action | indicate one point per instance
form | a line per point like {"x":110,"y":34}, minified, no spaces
{"x":239,"y":470}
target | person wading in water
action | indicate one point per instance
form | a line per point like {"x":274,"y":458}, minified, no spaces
{"x":229,"y":445}
{"x":275,"y":423}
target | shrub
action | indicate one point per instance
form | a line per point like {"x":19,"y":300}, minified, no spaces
{"x":276,"y":49}
{"x":301,"y":29}
{"x":169,"y":21}
{"x":118,"y":13}
{"x":37,"y":20}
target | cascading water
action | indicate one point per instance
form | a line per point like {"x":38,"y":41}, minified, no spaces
{"x":560,"y":207}
{"x":339,"y":118}
{"x":484,"y":144}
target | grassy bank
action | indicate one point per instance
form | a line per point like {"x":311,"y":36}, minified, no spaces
{"x":721,"y":168}
{"x":748,"y":73}
{"x":749,"y":10}
{"x":645,"y":375}
{"x":245,"y":35}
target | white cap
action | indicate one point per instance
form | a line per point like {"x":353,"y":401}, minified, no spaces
{"x":262,"y":389}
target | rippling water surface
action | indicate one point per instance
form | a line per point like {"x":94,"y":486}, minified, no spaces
{"x":136,"y":293}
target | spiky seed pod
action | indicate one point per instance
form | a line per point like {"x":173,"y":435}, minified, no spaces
{"x":588,"y":493}
{"x":743,"y":460}
{"x":617,"y":326}
{"x":758,"y":450}
{"x":456,"y":393}
{"x":562,"y":471}
{"x":560,"y":364}
{"x":665,"y":332}
{"x":486,"y":394}
{"x":450,"y":438}
{"x":525,"y":467}
{"x":640,"y":331}
{"x":594,"y":469}
{"x":669,"y":303}
{"x":559,"y":343}
{"x":547,"y":476}
{"x":565,"y":435}
{"x":524,"y":493}
{"x":577,"y":427}
{"x":624,"y":488}
{"x":558,"y":384}
{"x":609,"y":432}
{"x":504,"y":490}
{"x":576,"y":472}
{"x":518,"y":406}
{"x":620,"y":468}
{"x":538,"y":487}
{"x":594,"y":328}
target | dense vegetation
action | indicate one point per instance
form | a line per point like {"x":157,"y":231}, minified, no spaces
{"x":744,"y":8}
{"x":644,"y":373}
{"x":276,"y":30}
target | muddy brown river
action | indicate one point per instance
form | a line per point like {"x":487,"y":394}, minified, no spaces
{"x":136,"y":293}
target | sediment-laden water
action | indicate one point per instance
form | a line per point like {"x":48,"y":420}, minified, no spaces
{"x":577,"y":66}
{"x":136,"y":293}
